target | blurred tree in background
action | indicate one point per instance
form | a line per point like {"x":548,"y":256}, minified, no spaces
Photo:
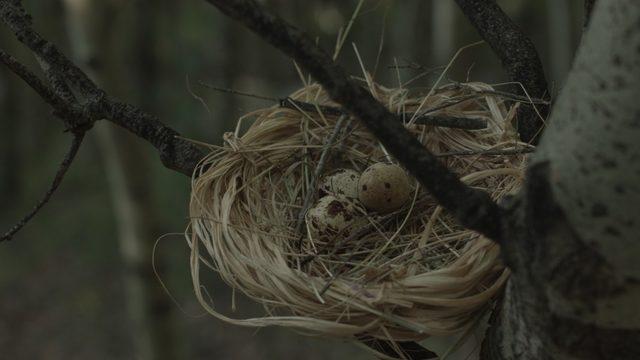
{"x":78,"y":282}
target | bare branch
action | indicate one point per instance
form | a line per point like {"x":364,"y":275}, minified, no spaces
{"x":175,"y":152}
{"x":19,"y":21}
{"x":473,"y":208}
{"x":423,"y":119}
{"x":499,"y":152}
{"x":62,"y":170}
{"x":518,"y":55}
{"x":93,"y":104}
{"x":31,"y":79}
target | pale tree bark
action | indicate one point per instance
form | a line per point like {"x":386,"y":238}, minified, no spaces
{"x":574,"y":229}
{"x":443,"y":30}
{"x":148,"y":308}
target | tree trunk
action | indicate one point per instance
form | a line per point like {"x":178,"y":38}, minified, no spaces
{"x":444,"y":31}
{"x":127,"y":170}
{"x":573,"y":247}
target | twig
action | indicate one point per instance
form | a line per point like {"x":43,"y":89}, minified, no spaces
{"x":31,"y":79}
{"x":472,"y":207}
{"x":518,"y":55}
{"x":309,"y":107}
{"x":506,"y":152}
{"x":451,"y":122}
{"x":175,"y":152}
{"x":425,"y":119}
{"x":415,"y":66}
{"x":62,"y":170}
{"x":432,"y":120}
{"x":503,"y":94}
{"x":236,"y":92}
{"x":316,"y":175}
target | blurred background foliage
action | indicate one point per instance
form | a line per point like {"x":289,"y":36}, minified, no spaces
{"x":77,"y":282}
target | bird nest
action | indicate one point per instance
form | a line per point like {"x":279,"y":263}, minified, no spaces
{"x":402,"y":275}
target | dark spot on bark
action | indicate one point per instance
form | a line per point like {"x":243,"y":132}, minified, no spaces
{"x":620,"y":81}
{"x":562,"y":186}
{"x":620,"y":146}
{"x":617,"y":60}
{"x":335,"y":207}
{"x":364,"y":187}
{"x":387,"y":185}
{"x":592,"y":341}
{"x":578,"y":311}
{"x":602,"y":85}
{"x":612,"y":231}
{"x":631,"y":281}
{"x":353,"y":176}
{"x":618,"y":188}
{"x":608,"y":164}
{"x":599,"y":210}
{"x":583,"y":170}
{"x":388,"y":200}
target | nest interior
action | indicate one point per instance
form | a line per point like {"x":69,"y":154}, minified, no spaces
{"x":405,"y":275}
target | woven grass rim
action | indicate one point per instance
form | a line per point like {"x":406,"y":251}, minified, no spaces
{"x":247,"y":194}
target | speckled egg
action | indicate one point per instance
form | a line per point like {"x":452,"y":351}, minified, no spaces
{"x":384,"y":187}
{"x":334,"y":216}
{"x":343,"y":182}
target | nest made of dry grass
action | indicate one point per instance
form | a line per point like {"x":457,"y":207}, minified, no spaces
{"x":411,"y":274}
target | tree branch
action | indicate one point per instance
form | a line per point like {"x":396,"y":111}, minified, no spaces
{"x":176,"y":153}
{"x":31,"y":79}
{"x":62,"y":170}
{"x":473,"y":208}
{"x":518,"y":55}
{"x":421,"y":119}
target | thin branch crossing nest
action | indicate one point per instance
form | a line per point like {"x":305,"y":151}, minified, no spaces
{"x":401,"y":274}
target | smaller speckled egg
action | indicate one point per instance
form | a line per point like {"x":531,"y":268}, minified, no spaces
{"x":384,"y":187}
{"x":334,"y":216}
{"x":342,"y":182}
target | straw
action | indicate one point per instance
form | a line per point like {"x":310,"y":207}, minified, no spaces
{"x":407,"y":275}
